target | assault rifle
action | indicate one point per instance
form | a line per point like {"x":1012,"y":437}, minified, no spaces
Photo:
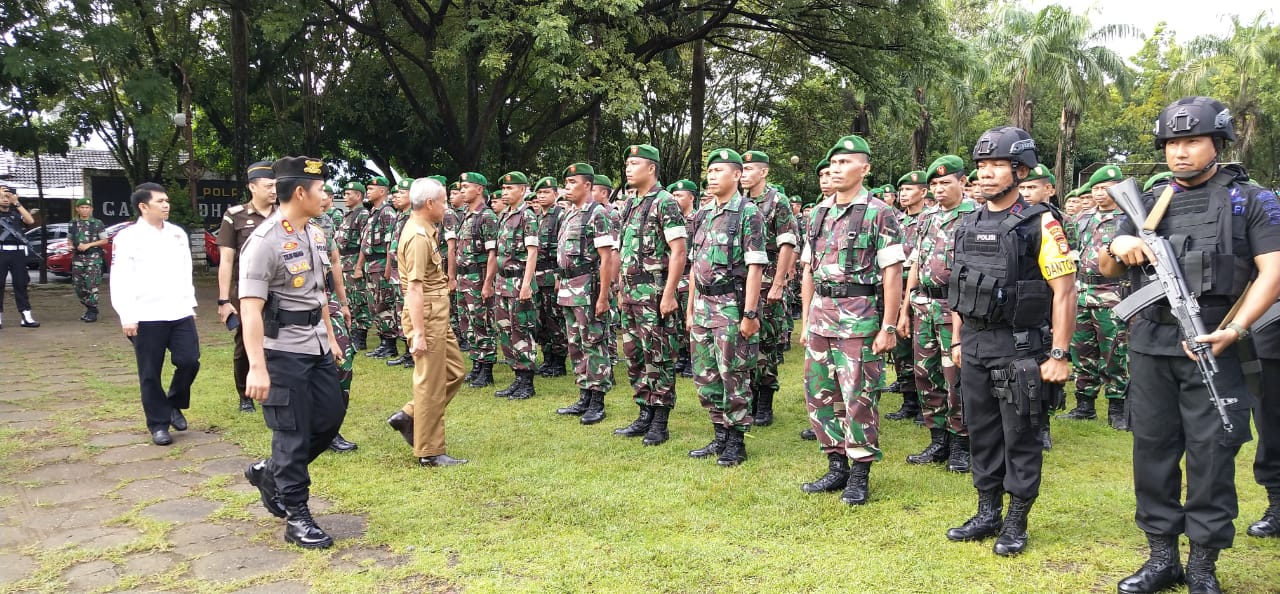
{"x":1171,"y":286}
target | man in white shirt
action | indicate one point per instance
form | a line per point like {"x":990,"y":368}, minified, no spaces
{"x":151,"y":291}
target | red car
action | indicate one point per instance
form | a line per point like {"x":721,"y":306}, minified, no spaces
{"x":211,"y":248}
{"x":59,"y":260}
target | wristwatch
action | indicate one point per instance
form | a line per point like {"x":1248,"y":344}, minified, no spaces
{"x":224,"y":301}
{"x":890,"y":328}
{"x":1241,"y":331}
{"x":1058,"y":354}
{"x":750,"y":314}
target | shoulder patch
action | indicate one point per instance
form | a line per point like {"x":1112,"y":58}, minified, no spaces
{"x":1054,"y":229}
{"x":237,"y":209}
{"x":1270,"y":205}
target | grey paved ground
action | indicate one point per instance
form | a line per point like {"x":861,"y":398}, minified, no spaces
{"x":91,"y":506}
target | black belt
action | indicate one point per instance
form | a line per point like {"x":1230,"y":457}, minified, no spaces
{"x":544,"y":265}
{"x":349,"y":252}
{"x":720,"y":288}
{"x":511,"y":273}
{"x":845,"y":290}
{"x":472,"y":269}
{"x":1097,"y":279}
{"x":577,"y":271}
{"x":644,"y":277}
{"x":933,"y":292}
{"x":299,"y":318}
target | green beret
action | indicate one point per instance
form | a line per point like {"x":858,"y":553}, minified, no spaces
{"x":755,"y":157}
{"x":330,"y":188}
{"x":1107,"y":173}
{"x":355,"y":185}
{"x":644,"y":151}
{"x":496,"y":194}
{"x":724,"y":155}
{"x":455,"y":186}
{"x":1039,"y":172}
{"x":378,"y":180}
{"x":546,"y":182}
{"x":472,"y":177}
{"x":439,"y":178}
{"x":684,"y":184}
{"x":83,"y":202}
{"x":851,"y":144}
{"x":1074,"y":193}
{"x":579,"y":169}
{"x":890,"y":189}
{"x":404,"y":183}
{"x":602,"y":180}
{"x":1155,"y":179}
{"x":823,"y":164}
{"x":876,"y":191}
{"x":945,"y":165}
{"x":515,"y":178}
{"x":913,"y":178}
{"x":299,"y":168}
{"x":973,"y":175}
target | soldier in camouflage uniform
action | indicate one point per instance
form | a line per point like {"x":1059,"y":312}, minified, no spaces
{"x":586,"y":266}
{"x":825,"y":191}
{"x":373,"y":264}
{"x":516,"y":316}
{"x":1101,"y":339}
{"x":855,"y":253}
{"x":926,"y":296}
{"x":400,"y":202}
{"x":779,"y":244}
{"x":477,"y":264}
{"x":339,"y":313}
{"x":449,"y":227}
{"x":684,"y":192}
{"x":333,"y":213}
{"x":651,"y":261}
{"x":601,"y":189}
{"x":551,"y":332}
{"x":729,"y":238}
{"x":86,"y":235}
{"x":914,"y":188}
{"x":348,"y":238}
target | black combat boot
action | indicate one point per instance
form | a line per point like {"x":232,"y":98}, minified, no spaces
{"x":835,"y":479}
{"x":808,"y":435}
{"x":484,"y":375}
{"x":381,"y":351}
{"x":393,"y":350}
{"x":959,"y":459}
{"x":684,"y":364}
{"x":856,"y":490}
{"x":404,"y":424}
{"x":1046,"y":440}
{"x":507,"y":391}
{"x":301,"y":529}
{"x":360,"y":339}
{"x":735,"y":448}
{"x":246,"y":404}
{"x":90,"y":315}
{"x":579,"y":407}
{"x":1013,"y":536}
{"x":715,"y":447}
{"x":1116,"y":415}
{"x":556,"y":368}
{"x":910,"y":408}
{"x":1084,"y":410}
{"x":1202,"y":570}
{"x":595,"y":409}
{"x":933,"y":453}
{"x":657,"y":433}
{"x":340,"y":444}
{"x":546,"y":364}
{"x":640,"y":426}
{"x":471,"y":375}
{"x":260,"y":476}
{"x":763,"y":416}
{"x":1162,"y":571}
{"x":984,"y":524}
{"x":525,"y":389}
{"x":407,"y":357}
{"x":1269,"y":525}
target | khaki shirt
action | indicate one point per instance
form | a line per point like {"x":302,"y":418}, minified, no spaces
{"x":419,"y":259}
{"x":291,"y":264}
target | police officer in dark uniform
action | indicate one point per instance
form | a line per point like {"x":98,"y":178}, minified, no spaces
{"x":291,"y":346}
{"x":1226,"y":232}
{"x":13,"y":253}
{"x":1266,"y":416}
{"x":239,"y":222}
{"x":1013,"y":303}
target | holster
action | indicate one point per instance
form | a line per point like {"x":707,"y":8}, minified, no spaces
{"x":1020,"y":386}
{"x":271,"y":317}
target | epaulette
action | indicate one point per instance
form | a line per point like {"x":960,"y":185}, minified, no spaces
{"x":237,"y":209}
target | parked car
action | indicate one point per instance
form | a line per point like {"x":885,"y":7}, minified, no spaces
{"x":55,"y":231}
{"x":59,"y":260}
{"x":211,"y":248}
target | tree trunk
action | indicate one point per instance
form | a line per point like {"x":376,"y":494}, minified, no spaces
{"x":920,"y":138}
{"x":44,"y":214}
{"x":593,"y":134}
{"x":697,"y":107}
{"x":1064,"y":164}
{"x":239,"y":89}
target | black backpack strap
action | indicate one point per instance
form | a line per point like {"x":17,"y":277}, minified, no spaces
{"x":816,"y":231}
{"x":858,"y":212}
{"x":582,"y":232}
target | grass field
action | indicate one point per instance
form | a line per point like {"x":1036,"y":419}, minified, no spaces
{"x":547,"y":504}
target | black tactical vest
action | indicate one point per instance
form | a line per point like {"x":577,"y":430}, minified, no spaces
{"x":995,"y":276}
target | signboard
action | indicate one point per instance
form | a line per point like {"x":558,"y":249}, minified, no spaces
{"x":111,"y":199}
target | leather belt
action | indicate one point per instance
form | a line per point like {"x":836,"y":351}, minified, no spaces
{"x":1097,"y":279}
{"x":577,"y":271}
{"x":299,"y":318}
{"x":544,"y":265}
{"x":715,"y":289}
{"x":512,"y":273}
{"x":843,"y":290}
{"x":349,"y":252}
{"x":471,"y":269}
{"x":933,"y":292}
{"x":643,"y":277}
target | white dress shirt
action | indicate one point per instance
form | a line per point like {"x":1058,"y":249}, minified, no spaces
{"x":151,"y":274}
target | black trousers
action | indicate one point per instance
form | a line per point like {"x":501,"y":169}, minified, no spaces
{"x":179,"y":338}
{"x":1005,"y":447}
{"x":1266,"y":416}
{"x":304,"y":410}
{"x":240,"y":361}
{"x":14,"y":263}
{"x":1171,"y":416}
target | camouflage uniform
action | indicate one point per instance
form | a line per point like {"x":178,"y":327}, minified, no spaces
{"x":516,"y":319}
{"x":477,"y":235}
{"x":615,"y":310}
{"x":726,"y":240}
{"x":393,"y":277}
{"x":1100,"y":342}
{"x":904,"y":366}
{"x":348,"y":238}
{"x":648,"y":338}
{"x":449,"y":231}
{"x":579,"y":288}
{"x":551,"y":333}
{"x":86,"y":266}
{"x":936,"y":376}
{"x":373,"y":242}
{"x":842,"y":375}
{"x":779,"y":228}
{"x":341,"y":332}
{"x":684,"y":345}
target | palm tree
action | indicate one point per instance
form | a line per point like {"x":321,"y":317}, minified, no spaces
{"x":1238,"y":62}
{"x":1061,"y":51}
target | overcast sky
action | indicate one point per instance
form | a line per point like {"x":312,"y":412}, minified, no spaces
{"x":1187,"y":18}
